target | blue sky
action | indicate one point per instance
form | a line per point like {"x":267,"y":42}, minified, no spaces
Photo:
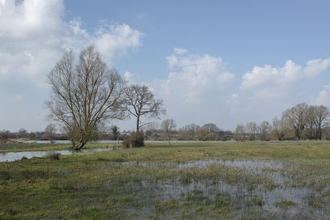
{"x":222,"y":62}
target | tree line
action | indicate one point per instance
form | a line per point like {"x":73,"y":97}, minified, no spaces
{"x":299,"y":122}
{"x":86,"y":96}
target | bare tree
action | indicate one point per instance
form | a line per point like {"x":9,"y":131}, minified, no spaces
{"x":296,"y":118}
{"x":140,"y":101}
{"x":188,"y":132}
{"x":50,"y":131}
{"x":202,"y":133}
{"x":84,"y":95}
{"x":311,"y":131}
{"x":212,"y":127}
{"x":22,"y":133}
{"x":252,"y":129}
{"x":278,"y":129}
{"x":264,"y":130}
{"x":322,"y":113}
{"x":168,"y":126}
{"x":4,"y":135}
{"x":239,"y":132}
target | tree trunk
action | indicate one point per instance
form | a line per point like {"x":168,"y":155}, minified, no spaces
{"x":168,"y":138}
{"x":79,"y":146}
{"x":137,"y":124}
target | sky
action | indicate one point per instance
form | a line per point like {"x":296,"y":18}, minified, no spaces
{"x":220,"y":62}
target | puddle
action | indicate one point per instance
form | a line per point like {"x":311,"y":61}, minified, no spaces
{"x":11,"y":156}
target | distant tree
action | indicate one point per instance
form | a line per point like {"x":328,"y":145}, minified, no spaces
{"x":188,"y":132}
{"x":264,"y":129}
{"x":212,"y":128}
{"x":140,"y":101}
{"x":151,"y":129}
{"x":50,"y":132}
{"x":84,"y":96}
{"x":168,"y":126}
{"x":252,"y":129}
{"x":278,"y":129}
{"x":296,"y":118}
{"x":115,"y":132}
{"x":22,"y":133}
{"x":202,"y":133}
{"x":4,"y":135}
{"x":311,"y":131}
{"x":32,"y":136}
{"x":239,"y":133}
{"x":322,"y":113}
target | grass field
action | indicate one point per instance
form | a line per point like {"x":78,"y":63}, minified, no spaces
{"x":203,"y":180}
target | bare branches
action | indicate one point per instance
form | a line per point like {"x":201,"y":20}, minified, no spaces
{"x":139,"y":101}
{"x":85,"y":94}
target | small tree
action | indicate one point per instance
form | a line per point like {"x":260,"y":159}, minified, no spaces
{"x":115,"y":132}
{"x":50,"y":132}
{"x":140,"y":101}
{"x":22,"y":133}
{"x":239,"y":133}
{"x":4,"y":135}
{"x":168,"y":125}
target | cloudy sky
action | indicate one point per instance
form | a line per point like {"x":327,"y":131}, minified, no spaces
{"x":221,"y":62}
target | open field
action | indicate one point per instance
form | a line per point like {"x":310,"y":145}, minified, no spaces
{"x":200,"y":180}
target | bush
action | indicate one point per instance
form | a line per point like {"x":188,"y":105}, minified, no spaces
{"x":136,"y":139}
{"x":224,"y":138}
{"x":54,"y":156}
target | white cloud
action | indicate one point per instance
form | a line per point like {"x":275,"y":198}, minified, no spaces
{"x":324,"y":97}
{"x":196,"y":83}
{"x":33,"y":36}
{"x":268,"y":91}
{"x":130,"y":77}
{"x":198,"y":79}
{"x":266,"y":77}
{"x":180,"y":51}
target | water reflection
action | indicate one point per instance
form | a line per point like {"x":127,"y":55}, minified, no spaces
{"x":10,"y":156}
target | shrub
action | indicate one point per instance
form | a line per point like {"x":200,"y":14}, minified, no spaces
{"x":136,"y":139}
{"x":224,"y":138}
{"x":54,"y":156}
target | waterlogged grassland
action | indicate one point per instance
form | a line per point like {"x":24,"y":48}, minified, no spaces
{"x":19,"y":147}
{"x":181,"y":181}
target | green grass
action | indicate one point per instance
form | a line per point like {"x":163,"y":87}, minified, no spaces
{"x":155,"y":182}
{"x":19,"y":147}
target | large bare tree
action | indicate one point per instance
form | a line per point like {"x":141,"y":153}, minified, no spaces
{"x":84,"y":95}
{"x":140,"y":101}
{"x":168,"y":126}
{"x":296,"y":118}
{"x":322,"y":113}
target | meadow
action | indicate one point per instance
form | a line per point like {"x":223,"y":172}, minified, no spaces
{"x":202,"y":180}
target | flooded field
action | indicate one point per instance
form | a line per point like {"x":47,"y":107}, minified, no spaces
{"x":183,"y":181}
{"x":256,"y":189}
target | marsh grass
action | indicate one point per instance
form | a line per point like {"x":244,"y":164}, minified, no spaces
{"x":184,"y":181}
